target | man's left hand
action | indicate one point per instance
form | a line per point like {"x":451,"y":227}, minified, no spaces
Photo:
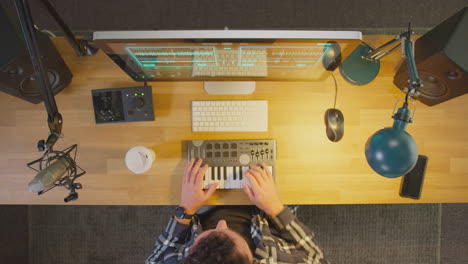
{"x":193,"y":197}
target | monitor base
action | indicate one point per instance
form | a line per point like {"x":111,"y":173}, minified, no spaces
{"x":229,"y":87}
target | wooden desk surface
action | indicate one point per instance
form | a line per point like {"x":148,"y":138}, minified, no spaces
{"x":310,"y":169}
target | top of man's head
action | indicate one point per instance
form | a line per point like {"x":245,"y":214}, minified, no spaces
{"x":217,"y":247}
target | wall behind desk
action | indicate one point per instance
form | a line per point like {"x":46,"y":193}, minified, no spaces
{"x":373,"y":16}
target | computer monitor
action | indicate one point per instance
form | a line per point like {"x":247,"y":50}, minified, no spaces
{"x":229,"y":61}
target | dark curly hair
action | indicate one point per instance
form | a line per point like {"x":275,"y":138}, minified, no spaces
{"x":216,"y":248}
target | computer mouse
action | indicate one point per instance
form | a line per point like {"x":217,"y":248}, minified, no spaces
{"x":334,"y":122}
{"x":332,"y":56}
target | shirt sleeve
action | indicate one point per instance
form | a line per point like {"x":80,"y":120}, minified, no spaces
{"x":173,"y":244}
{"x":296,"y":238}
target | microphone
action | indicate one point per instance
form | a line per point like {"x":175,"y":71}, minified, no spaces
{"x":60,"y":170}
{"x":48,"y":176}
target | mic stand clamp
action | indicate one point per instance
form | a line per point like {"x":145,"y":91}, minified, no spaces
{"x":55,"y":128}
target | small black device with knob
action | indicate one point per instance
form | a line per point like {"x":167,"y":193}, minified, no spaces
{"x":130,"y":104}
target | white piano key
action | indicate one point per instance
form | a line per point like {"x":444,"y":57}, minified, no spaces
{"x":233,"y":183}
{"x":225,"y":177}
{"x":239,"y":175}
{"x":214,"y":176}
{"x":246,"y":181}
{"x":211,"y":179}
{"x":233,"y":173}
{"x":221,"y":178}
{"x":224,"y":172}
{"x":222,"y":184}
{"x":244,"y":169}
{"x":240,"y":171}
{"x":237,"y":183}
{"x":207,"y":178}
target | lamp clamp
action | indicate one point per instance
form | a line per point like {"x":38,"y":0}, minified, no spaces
{"x":397,"y":115}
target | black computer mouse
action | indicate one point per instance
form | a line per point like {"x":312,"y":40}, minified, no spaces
{"x":332,"y":57}
{"x":334,"y":122}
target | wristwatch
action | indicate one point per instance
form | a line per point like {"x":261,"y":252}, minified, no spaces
{"x":181,"y":214}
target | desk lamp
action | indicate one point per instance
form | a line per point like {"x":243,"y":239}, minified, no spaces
{"x":55,"y":168}
{"x":392,"y":152}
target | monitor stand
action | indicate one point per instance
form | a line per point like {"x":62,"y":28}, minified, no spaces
{"x":229,"y":87}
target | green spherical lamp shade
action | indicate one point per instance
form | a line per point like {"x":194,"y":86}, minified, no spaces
{"x":391,"y":152}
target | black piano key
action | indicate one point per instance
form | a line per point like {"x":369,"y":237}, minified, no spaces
{"x":225,"y":173}
{"x":240,"y":173}
{"x":219,"y":173}
{"x":212,"y":173}
{"x":234,"y":172}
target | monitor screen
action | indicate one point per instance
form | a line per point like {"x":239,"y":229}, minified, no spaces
{"x":228,"y":55}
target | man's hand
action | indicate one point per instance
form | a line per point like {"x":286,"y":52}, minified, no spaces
{"x":193,"y":196}
{"x":263,"y":191}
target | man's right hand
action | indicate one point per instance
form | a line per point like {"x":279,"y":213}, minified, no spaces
{"x":263,"y":190}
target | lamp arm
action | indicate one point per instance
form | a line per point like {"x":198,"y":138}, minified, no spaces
{"x":408,"y":53}
{"x":414,"y":81}
{"x":382,"y":51}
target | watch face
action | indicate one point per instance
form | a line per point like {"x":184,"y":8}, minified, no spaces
{"x":180,"y":212}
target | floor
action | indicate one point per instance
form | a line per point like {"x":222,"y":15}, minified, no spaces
{"x":348,"y":234}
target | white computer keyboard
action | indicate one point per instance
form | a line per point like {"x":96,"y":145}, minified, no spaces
{"x":230,"y":116}
{"x":231,"y":63}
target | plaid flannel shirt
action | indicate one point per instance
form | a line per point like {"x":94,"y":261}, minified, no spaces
{"x":295,"y":243}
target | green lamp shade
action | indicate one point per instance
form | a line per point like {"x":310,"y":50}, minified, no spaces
{"x":391,"y":152}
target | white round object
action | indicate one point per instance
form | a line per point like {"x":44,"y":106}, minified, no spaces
{"x":244,"y":159}
{"x":139,"y":159}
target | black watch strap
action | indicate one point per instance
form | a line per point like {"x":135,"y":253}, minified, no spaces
{"x":181,"y":214}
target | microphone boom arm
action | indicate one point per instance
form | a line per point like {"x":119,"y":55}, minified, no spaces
{"x":54,"y":118}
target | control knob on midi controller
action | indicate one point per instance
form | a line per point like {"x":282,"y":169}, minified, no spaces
{"x":244,"y":159}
